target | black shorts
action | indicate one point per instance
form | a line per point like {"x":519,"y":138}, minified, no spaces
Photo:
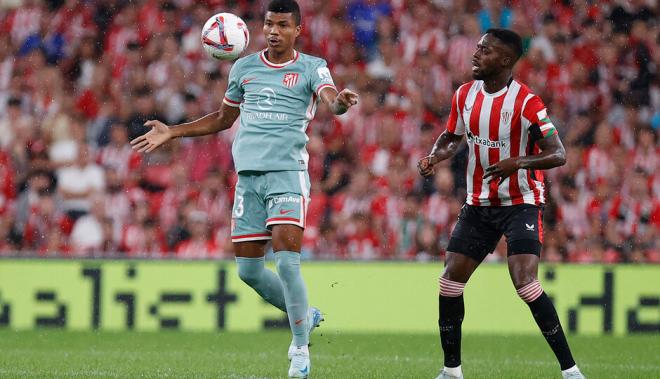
{"x":479,"y":229}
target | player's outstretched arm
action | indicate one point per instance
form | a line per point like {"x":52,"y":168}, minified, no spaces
{"x":339,"y":102}
{"x":209,"y":124}
{"x":552,"y":155}
{"x":444,"y":148}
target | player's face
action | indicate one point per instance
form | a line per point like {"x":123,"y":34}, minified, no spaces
{"x":488,"y":59}
{"x":280,"y":30}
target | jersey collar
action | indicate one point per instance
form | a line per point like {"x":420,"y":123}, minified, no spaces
{"x":498,"y":93}
{"x":278,"y":65}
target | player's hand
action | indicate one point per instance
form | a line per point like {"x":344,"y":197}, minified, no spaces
{"x":426,"y":165}
{"x":502,"y":170}
{"x":347,"y":98}
{"x":158,"y":135}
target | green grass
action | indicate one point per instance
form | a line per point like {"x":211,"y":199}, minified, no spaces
{"x":61,"y":354}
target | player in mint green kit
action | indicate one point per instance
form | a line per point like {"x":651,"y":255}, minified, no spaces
{"x":275,"y":92}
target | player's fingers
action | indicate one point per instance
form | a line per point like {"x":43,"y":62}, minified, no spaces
{"x":345,"y":103}
{"x":144,"y":149}
{"x":140,"y":145}
{"x":489,"y":174}
{"x":151,"y":123}
{"x":137,"y":139}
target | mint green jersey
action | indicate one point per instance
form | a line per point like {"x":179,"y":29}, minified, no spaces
{"x":277,"y":102}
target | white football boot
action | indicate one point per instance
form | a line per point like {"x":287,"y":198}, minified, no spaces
{"x":445,"y":374}
{"x":314,"y":318}
{"x":300,"y":363}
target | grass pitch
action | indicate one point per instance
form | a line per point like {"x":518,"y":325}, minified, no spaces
{"x":62,"y":354}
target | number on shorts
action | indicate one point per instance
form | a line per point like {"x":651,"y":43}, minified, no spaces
{"x":238,"y":212}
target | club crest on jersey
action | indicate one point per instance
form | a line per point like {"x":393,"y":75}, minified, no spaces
{"x":506,"y":117}
{"x":290,"y":79}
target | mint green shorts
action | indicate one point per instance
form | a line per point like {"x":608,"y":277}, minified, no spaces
{"x":264,"y":199}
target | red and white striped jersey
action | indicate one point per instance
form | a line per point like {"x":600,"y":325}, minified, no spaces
{"x":498,"y":126}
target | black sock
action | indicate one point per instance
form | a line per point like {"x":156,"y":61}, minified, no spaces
{"x":451,"y":317}
{"x":546,"y":318}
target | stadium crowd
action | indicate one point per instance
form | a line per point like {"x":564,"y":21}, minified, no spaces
{"x":79,"y":78}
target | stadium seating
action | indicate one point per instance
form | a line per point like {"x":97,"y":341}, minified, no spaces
{"x":79,"y":79}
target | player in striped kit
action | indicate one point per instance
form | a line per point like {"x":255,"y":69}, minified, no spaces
{"x":510,"y":139}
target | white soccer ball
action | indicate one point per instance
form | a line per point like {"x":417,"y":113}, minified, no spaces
{"x":225,"y":36}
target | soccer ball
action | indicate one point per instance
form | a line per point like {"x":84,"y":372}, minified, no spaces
{"x":225,"y":36}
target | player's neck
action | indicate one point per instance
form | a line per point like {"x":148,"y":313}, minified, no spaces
{"x":275,"y":57}
{"x":496,"y":83}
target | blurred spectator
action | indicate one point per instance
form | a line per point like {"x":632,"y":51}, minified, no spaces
{"x":200,"y":244}
{"x":363,"y":15}
{"x":12,"y":121}
{"x":78,"y":182}
{"x":65,"y":149}
{"x":543,"y":39}
{"x":39,"y":182}
{"x":362,"y":243}
{"x":87,"y":236}
{"x":44,"y":217}
{"x":47,"y":38}
{"x":145,"y":109}
{"x":118,"y":154}
{"x":494,"y":14}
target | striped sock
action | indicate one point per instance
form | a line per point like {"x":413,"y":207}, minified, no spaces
{"x":450,"y":288}
{"x":530,"y":291}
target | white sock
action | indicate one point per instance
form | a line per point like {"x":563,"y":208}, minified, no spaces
{"x":455,"y":371}
{"x":572,"y":369}
{"x":304,"y":348}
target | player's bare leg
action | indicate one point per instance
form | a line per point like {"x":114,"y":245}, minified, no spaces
{"x":287,"y":243}
{"x":523,"y":269}
{"x":458,"y":269}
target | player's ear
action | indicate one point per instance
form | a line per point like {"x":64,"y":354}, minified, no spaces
{"x":506,"y":61}
{"x":298,"y":30}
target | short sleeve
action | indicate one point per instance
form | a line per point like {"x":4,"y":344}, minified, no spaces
{"x":321,"y":77}
{"x":537,"y":115}
{"x":455,"y":124}
{"x":234,"y":94}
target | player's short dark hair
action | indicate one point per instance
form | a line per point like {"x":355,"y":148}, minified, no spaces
{"x":509,"y":38}
{"x":286,"y":6}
